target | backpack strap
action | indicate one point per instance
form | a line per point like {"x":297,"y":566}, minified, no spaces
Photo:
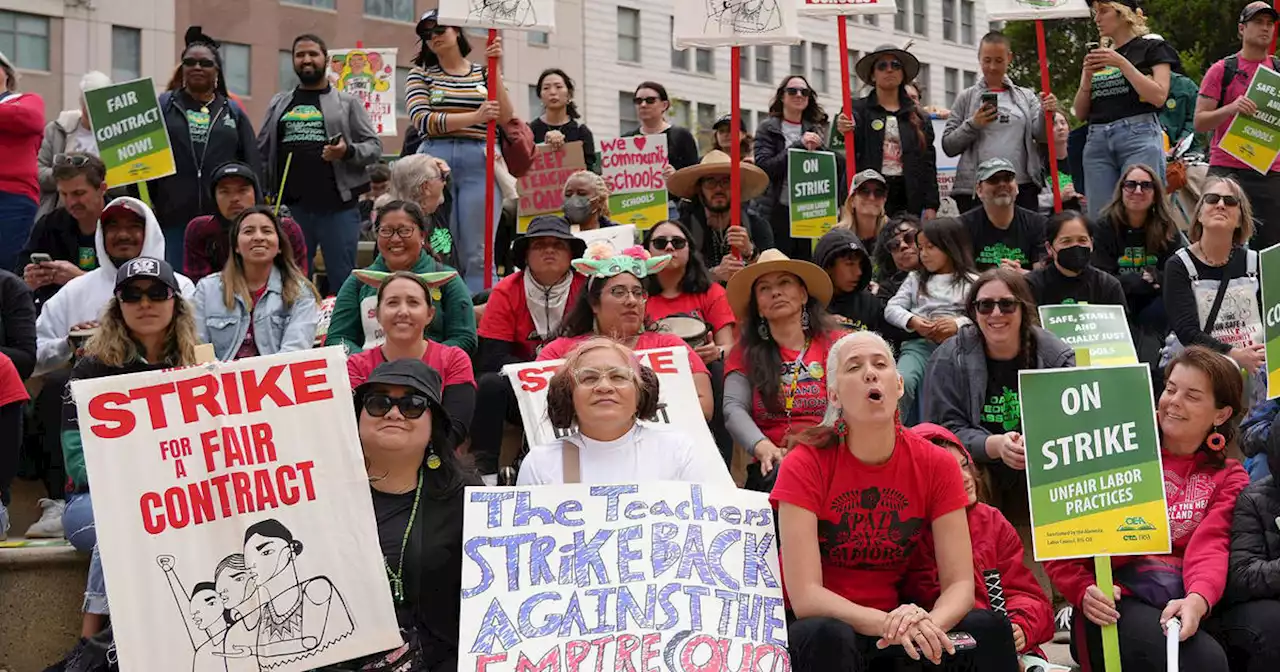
{"x":570,"y":465}
{"x":1251,"y":263}
{"x":1230,"y":66}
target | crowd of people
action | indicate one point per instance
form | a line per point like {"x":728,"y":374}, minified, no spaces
{"x":868,"y":379}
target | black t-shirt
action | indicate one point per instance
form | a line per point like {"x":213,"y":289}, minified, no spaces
{"x":310,"y":181}
{"x":200,"y":116}
{"x":1023,"y":241}
{"x":1134,"y":256}
{"x":573,"y":132}
{"x":682,"y":147}
{"x":859,"y":311}
{"x":1064,"y":179}
{"x":1051,"y":287}
{"x":1112,"y":97}
{"x":392,"y":514}
{"x":1001,"y":408}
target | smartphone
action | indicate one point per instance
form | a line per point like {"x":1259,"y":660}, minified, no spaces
{"x":1090,"y":46}
{"x":40,"y":258}
{"x":991,"y":100}
{"x":335,"y":139}
{"x":963,"y":641}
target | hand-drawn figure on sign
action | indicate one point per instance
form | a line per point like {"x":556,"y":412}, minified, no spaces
{"x":1043,"y":4}
{"x":506,"y":12}
{"x":743,"y":17}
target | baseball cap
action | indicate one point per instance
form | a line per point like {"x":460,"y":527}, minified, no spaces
{"x":866,"y":176}
{"x":726,"y":119}
{"x":1255,"y":8}
{"x":991,"y":167}
{"x":834,"y":243}
{"x":411,"y":373}
{"x":124,"y":206}
{"x":147,"y":267}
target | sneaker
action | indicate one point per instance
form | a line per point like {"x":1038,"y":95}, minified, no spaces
{"x":73,"y":659}
{"x":50,"y":524}
{"x":4,"y":522}
{"x":1062,"y":625}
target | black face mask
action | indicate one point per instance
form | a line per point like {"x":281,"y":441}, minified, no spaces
{"x":1075,"y":258}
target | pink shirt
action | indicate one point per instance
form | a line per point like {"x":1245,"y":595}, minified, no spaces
{"x":451,"y":362}
{"x":1210,"y":88}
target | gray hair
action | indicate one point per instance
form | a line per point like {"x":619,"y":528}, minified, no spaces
{"x":10,"y":73}
{"x":408,"y":175}
{"x":94,"y":80}
{"x":834,"y":357}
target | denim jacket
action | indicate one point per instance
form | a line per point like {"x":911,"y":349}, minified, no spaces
{"x":276,"y":327}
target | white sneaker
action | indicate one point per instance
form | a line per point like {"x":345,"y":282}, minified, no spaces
{"x":50,"y":524}
{"x":1062,"y":625}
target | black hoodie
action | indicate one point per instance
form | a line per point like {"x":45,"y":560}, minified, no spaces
{"x":859,"y":309}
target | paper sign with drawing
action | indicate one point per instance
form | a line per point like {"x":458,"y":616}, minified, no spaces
{"x":370,"y":75}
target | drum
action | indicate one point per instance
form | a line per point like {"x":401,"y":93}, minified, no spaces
{"x":691,"y":330}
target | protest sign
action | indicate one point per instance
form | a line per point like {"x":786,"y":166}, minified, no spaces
{"x":209,"y":483}
{"x":536,"y":15}
{"x":1014,"y":10}
{"x":677,"y":397}
{"x":677,"y":576}
{"x":946,"y":164}
{"x":1269,"y":260}
{"x":1255,"y":139}
{"x":370,"y":75}
{"x":618,"y":237}
{"x":811,"y":177}
{"x":133,"y":141}
{"x":727,"y":23}
{"x":542,"y":188}
{"x":1099,"y":334}
{"x":632,"y":167}
{"x":846,"y":7}
{"x":1094,"y":473}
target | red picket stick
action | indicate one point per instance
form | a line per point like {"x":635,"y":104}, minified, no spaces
{"x":1275,"y":4}
{"x":735,"y":147}
{"x":1048,"y":116}
{"x":851,"y":164}
{"x":490,"y":138}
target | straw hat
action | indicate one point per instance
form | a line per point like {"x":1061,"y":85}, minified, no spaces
{"x":684,"y":183}
{"x":910,"y":64}
{"x":742,"y":284}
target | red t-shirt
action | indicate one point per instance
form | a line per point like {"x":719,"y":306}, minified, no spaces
{"x":870,"y":517}
{"x":1211,"y":88}
{"x":12,"y":391}
{"x":452,"y":362}
{"x":809,"y":400}
{"x":506,"y":314}
{"x":649,"y":340}
{"x":711,"y":306}
{"x":249,"y":348}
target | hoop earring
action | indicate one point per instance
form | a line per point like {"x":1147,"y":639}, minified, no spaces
{"x":1216,"y":441}
{"x":763,"y":330}
{"x":804,"y":319}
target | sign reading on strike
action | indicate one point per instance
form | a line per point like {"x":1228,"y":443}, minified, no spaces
{"x":216,"y":493}
{"x":1099,"y":334}
{"x":1269,"y":259}
{"x":673,"y":576}
{"x":811,"y":177}
{"x":1094,"y":473}
{"x":1255,"y":139}
{"x":370,"y":75}
{"x":542,"y":188}
{"x":632,"y":167}
{"x":133,"y":141}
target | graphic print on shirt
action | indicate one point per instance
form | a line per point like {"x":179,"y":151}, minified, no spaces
{"x":1004,"y":409}
{"x":1108,"y":82}
{"x":870,"y":533}
{"x":892,"y":163}
{"x":87,"y":259}
{"x":304,"y":124}
{"x":1136,"y":260}
{"x":1188,"y":501}
{"x":992,"y":255}
{"x":198,"y":123}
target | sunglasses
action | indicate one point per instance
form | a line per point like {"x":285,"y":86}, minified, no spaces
{"x":411,"y":406}
{"x":621,"y":293}
{"x":1138,"y":185}
{"x":893,"y":64}
{"x":134,"y":294}
{"x":646,"y":100}
{"x":797,"y":91}
{"x":869,"y":192}
{"x":673,"y":243}
{"x":905,"y":241}
{"x":1229,"y":200}
{"x":75,"y":160}
{"x":988,"y":306}
{"x":435,"y":31}
{"x":201,"y":62}
{"x":616,"y":375}
{"x":717,"y":182}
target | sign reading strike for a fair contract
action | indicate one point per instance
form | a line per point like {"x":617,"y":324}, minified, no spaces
{"x":731,"y":23}
{"x":133,"y":141}
{"x":673,"y":576}
{"x":370,"y":75}
{"x":1269,"y":259}
{"x":1255,"y":139}
{"x":632,"y":167}
{"x":1014,"y":10}
{"x":542,"y":188}
{"x":1099,"y":334}
{"x":216,"y":493}
{"x":539,"y":15}
{"x":811,"y":178}
{"x":846,"y":7}
{"x":1095,"y":479}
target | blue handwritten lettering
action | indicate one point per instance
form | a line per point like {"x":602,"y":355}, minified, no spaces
{"x":493,"y":500}
{"x":495,"y":628}
{"x":626,"y":554}
{"x":612,"y":493}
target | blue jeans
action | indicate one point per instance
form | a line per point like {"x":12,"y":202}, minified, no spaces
{"x":175,"y":246}
{"x":1112,"y":148}
{"x":17,"y":216}
{"x":77,"y":521}
{"x":911,"y":364}
{"x":466,"y":159}
{"x":337,"y":234}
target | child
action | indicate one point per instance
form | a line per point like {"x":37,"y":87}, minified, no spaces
{"x":930,"y":302}
{"x":997,"y":560}
{"x":843,"y":257}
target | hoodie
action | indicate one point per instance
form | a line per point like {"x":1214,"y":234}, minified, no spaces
{"x":83,"y":299}
{"x":997,"y":551}
{"x":859,"y":310}
{"x":208,"y":237}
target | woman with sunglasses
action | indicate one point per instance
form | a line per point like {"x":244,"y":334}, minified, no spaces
{"x":652,"y":104}
{"x":895,"y":255}
{"x":602,"y":389}
{"x":145,"y":326}
{"x":208,"y":129}
{"x":447,"y":97}
{"x":863,"y":211}
{"x":260,"y":304}
{"x":796,"y":121}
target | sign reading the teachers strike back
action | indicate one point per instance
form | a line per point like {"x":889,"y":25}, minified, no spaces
{"x":542,"y":188}
{"x":1095,"y":478}
{"x":216,"y":493}
{"x":133,"y":141}
{"x":632,"y":167}
{"x":370,"y":75}
{"x":1099,"y":334}
{"x":673,"y":576}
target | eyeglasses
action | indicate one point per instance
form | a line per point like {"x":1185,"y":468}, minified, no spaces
{"x":988,"y":306}
{"x":871,"y":192}
{"x":1138,"y":185}
{"x":717,"y":182}
{"x":201,"y":62}
{"x":616,"y":375}
{"x":646,"y":100}
{"x":797,"y":91}
{"x":674,"y":242}
{"x":893,"y":64}
{"x":411,"y":406}
{"x":403,"y":233}
{"x":75,"y":160}
{"x":1229,"y":200}
{"x":621,"y":293}
{"x":134,"y":294}
{"x":903,"y":242}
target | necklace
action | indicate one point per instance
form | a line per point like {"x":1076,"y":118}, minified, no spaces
{"x":1204,"y":256}
{"x":397,"y":577}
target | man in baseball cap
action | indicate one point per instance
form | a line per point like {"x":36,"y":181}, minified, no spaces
{"x":1002,"y":232}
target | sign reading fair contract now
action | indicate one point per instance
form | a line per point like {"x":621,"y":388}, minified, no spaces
{"x":1256,"y":139}
{"x":1095,"y":478}
{"x":1099,"y":334}
{"x":132,"y":139}
{"x":632,"y":167}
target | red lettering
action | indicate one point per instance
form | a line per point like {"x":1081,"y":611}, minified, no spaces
{"x":231,"y":392}
{"x":483,"y":662}
{"x":627,"y":645}
{"x":266,"y":493}
{"x":549,"y":663}
{"x":263,"y":445}
{"x":534,"y":380}
{"x":152,"y":523}
{"x":255,"y":390}
{"x":201,"y":502}
{"x":305,"y":468}
{"x":574,"y":653}
{"x":105,"y":408}
{"x":713,"y":664}
{"x":650,"y":648}
{"x":220,"y":483}
{"x":175,"y":508}
{"x":209,"y":446}
{"x":155,"y":402}
{"x":661,"y":362}
{"x":288,"y":493}
{"x":303,"y":381}
{"x":207,"y":396}
{"x":599,"y":645}
{"x":243,"y":487}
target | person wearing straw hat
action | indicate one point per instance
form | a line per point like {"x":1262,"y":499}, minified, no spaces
{"x":21,"y":132}
{"x":706,"y":210}
{"x":775,"y":385}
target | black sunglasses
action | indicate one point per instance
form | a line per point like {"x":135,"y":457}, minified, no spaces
{"x":988,"y":306}
{"x":663,"y":242}
{"x":202,"y":62}
{"x":411,"y":406}
{"x":1138,"y":185}
{"x":906,"y":240}
{"x":646,"y":100}
{"x":893,"y":64}
{"x":1212,"y":199}
{"x":871,"y":192}
{"x":797,"y":91}
{"x":75,"y":160}
{"x":134,"y":294}
{"x":434,"y":31}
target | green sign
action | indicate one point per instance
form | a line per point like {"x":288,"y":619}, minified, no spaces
{"x":132,"y":139}
{"x":1093,"y":462}
{"x":811,"y":177}
{"x":1256,"y":139}
{"x":1269,"y":259}
{"x":1099,"y":334}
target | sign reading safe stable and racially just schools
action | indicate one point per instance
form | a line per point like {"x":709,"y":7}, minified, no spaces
{"x":133,"y":141}
{"x":811,"y":178}
{"x":1015,"y":10}
{"x":673,"y":576}
{"x":1269,"y":260}
{"x":370,"y":75}
{"x":539,"y":15}
{"x":1255,"y":139}
{"x":632,"y":168}
{"x":1099,"y":334}
{"x":1094,"y":473}
{"x":542,"y":188}
{"x":216,"y":493}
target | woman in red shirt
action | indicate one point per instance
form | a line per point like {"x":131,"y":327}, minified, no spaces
{"x":404,"y":311}
{"x":852,"y":507}
{"x":1199,"y":416}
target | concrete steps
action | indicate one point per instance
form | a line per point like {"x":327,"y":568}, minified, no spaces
{"x":41,"y":592}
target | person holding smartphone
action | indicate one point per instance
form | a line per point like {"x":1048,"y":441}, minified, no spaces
{"x":996,"y":118}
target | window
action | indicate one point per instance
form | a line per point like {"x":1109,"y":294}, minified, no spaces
{"x":321,"y":4}
{"x":764,"y":63}
{"x":744,"y":63}
{"x":705,"y":59}
{"x":900,"y":19}
{"x":706,"y":119}
{"x":402,"y":85}
{"x":966,"y":21}
{"x":798,"y":59}
{"x":24,"y":38}
{"x":680,"y":113}
{"x":970,"y":78}
{"x":535,"y":102}
{"x":952,"y":83}
{"x":288,"y":79}
{"x":539,"y":38}
{"x":236,"y":67}
{"x":818,"y":69}
{"x":854,"y":82}
{"x":949,"y":20}
{"x":871,"y":19}
{"x":396,"y":10}
{"x":924,"y":84}
{"x":627,"y":119}
{"x":126,"y":54}
{"x":921,"y":27}
{"x":679,"y":57}
{"x":629,"y":34}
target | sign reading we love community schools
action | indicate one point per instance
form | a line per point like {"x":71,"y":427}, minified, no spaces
{"x":632,"y":167}
{"x":133,"y":141}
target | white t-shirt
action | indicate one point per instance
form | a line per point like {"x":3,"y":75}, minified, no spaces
{"x":892,"y":163}
{"x":644,"y":454}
